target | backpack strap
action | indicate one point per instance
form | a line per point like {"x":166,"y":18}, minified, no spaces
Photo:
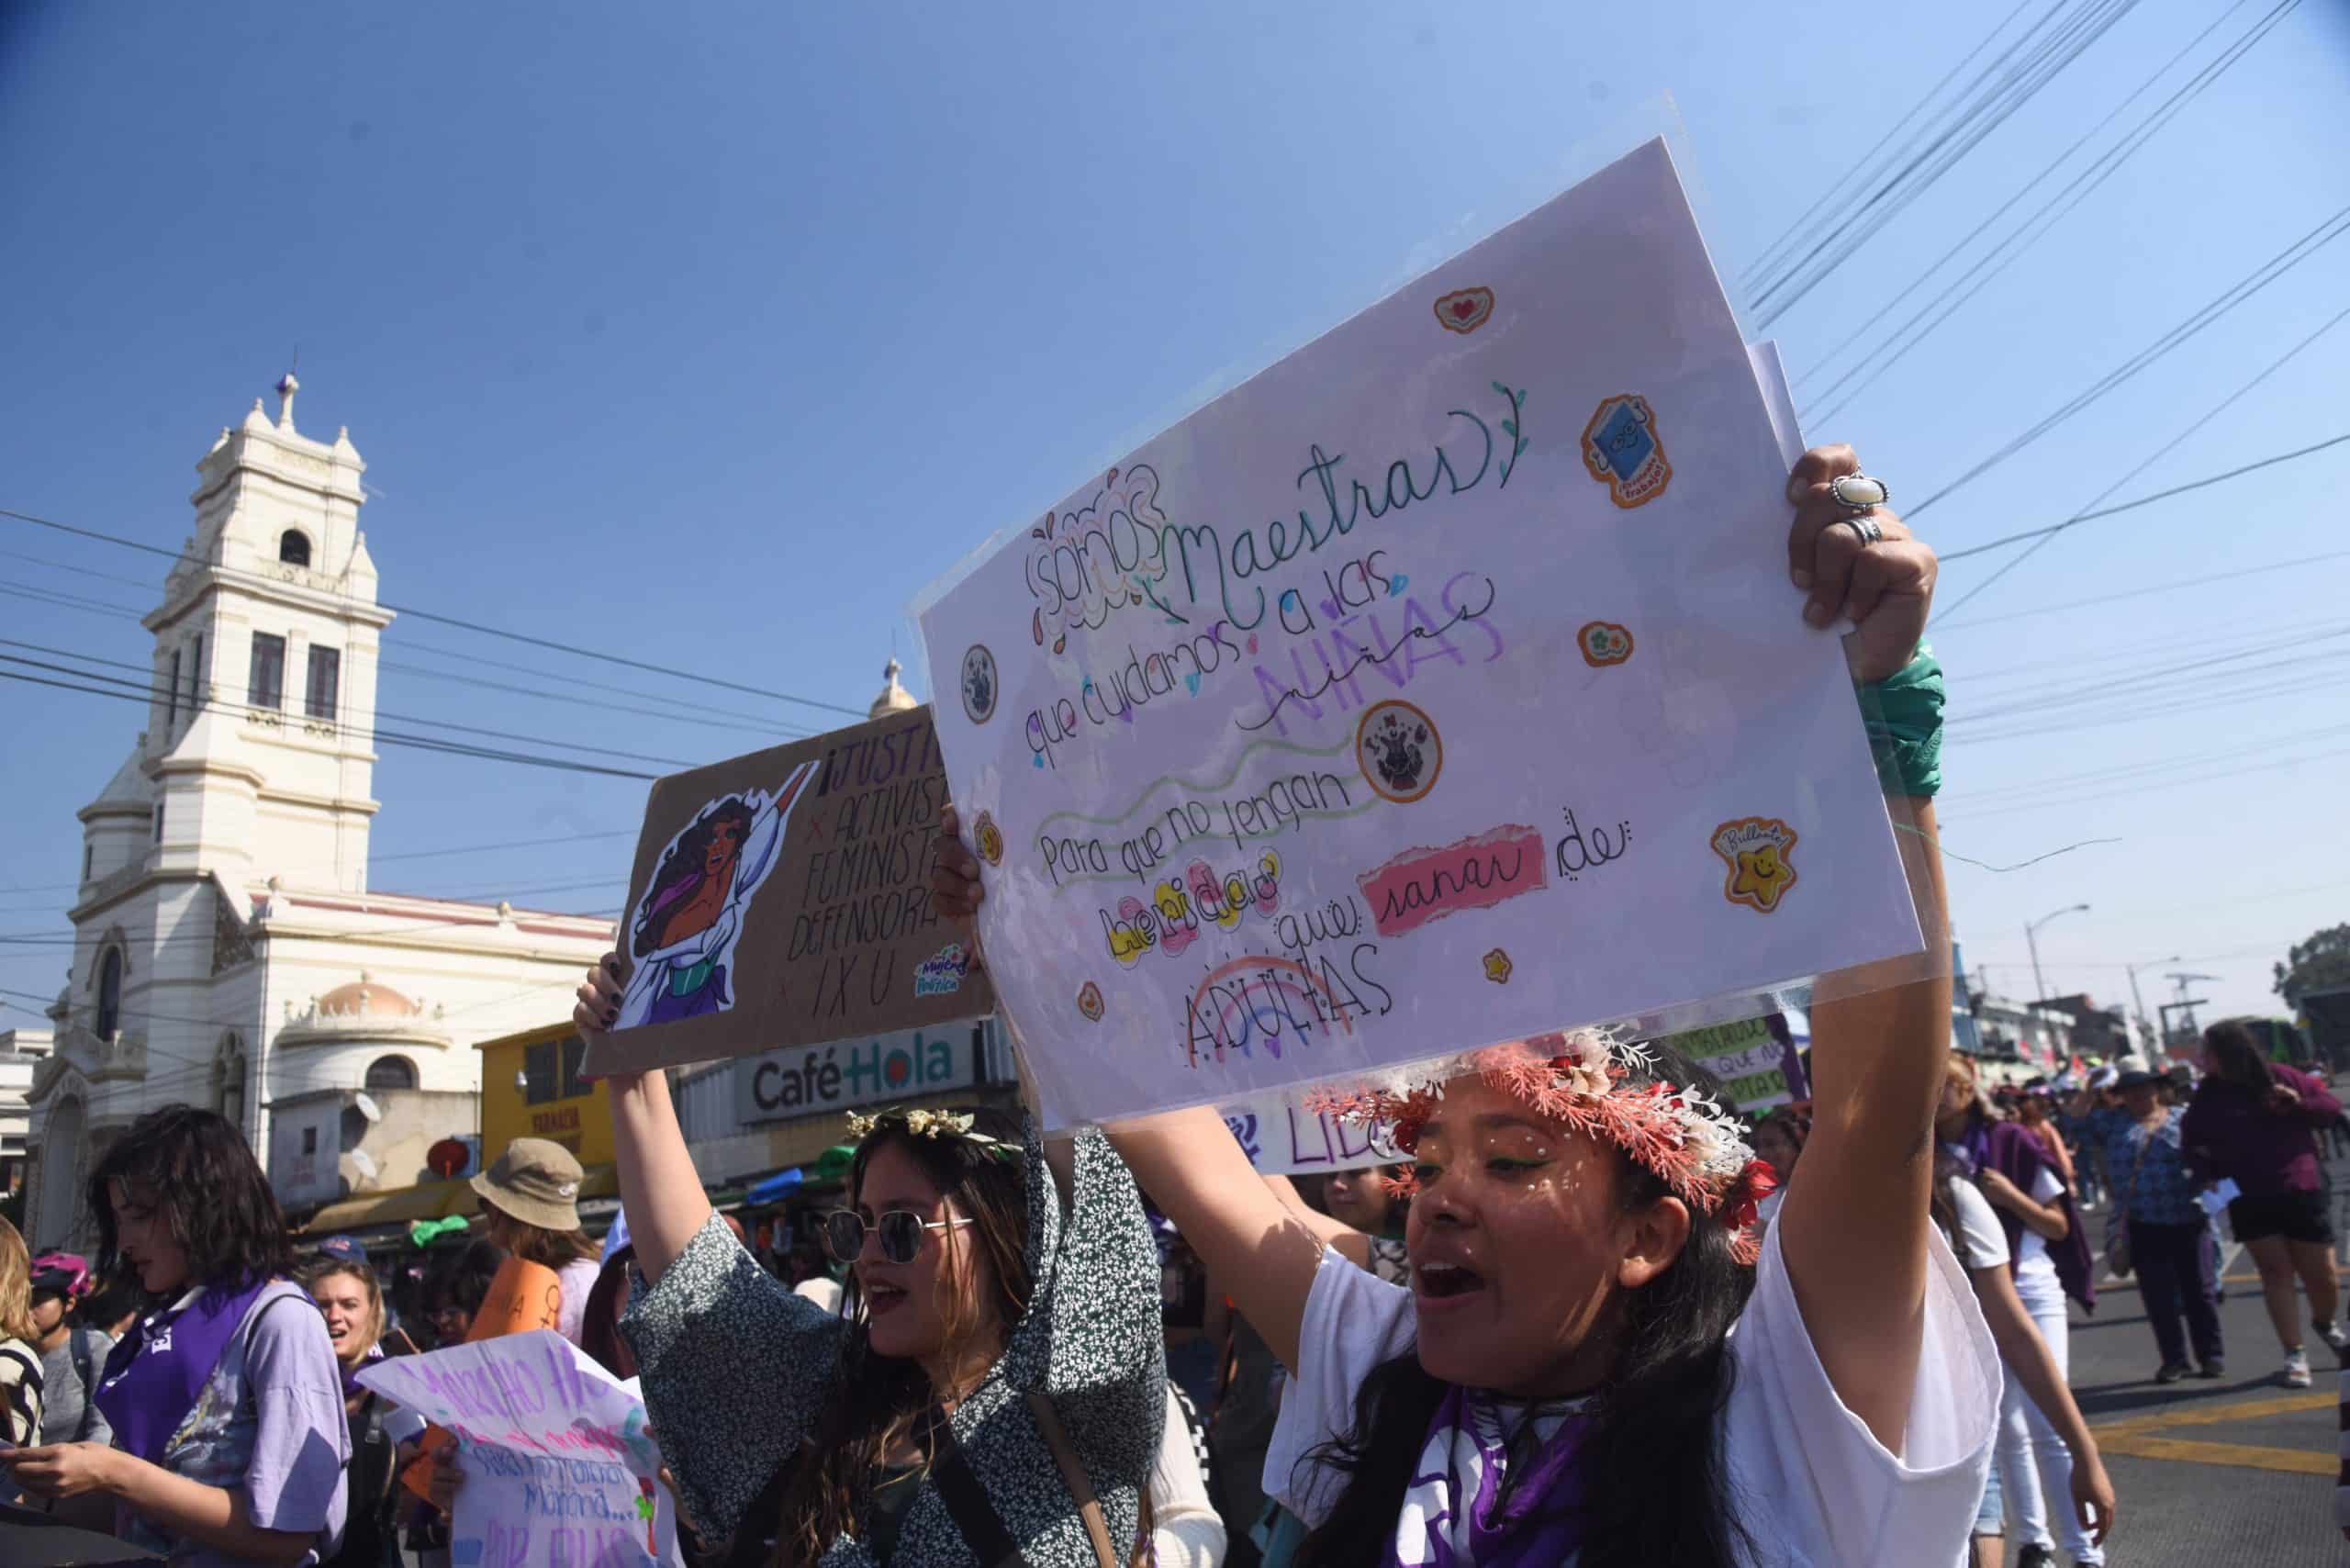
{"x":77,"y":1345}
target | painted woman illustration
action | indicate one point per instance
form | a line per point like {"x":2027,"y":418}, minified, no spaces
{"x":686,"y":927}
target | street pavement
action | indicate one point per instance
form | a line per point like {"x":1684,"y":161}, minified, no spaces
{"x":2237,"y":1470}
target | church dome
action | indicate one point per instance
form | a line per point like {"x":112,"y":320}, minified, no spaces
{"x":365,"y":997}
{"x":894,"y":698}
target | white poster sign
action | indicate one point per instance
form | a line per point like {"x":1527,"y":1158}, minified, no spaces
{"x":1280,"y":1137}
{"x":560,"y":1471}
{"x":1442,"y":684}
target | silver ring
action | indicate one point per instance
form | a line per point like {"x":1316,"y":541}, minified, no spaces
{"x":1865,"y":528}
{"x":1859,"y":493}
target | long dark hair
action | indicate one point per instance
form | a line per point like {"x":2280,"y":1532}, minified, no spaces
{"x":681,"y":867}
{"x":209,"y":1190}
{"x":1943,"y":1207}
{"x":1653,"y":1475}
{"x":875,"y":1401}
{"x":2236,"y":1059}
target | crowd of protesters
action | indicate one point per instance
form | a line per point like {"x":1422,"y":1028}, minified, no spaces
{"x":1592,"y":1317}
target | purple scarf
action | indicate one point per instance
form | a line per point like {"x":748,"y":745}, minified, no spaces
{"x":155,"y":1372}
{"x":351,"y":1389}
{"x":1456,"y":1502}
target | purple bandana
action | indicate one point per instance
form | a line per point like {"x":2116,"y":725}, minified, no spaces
{"x":155,"y":1372}
{"x":351,"y":1389}
{"x":1455,"y":1515}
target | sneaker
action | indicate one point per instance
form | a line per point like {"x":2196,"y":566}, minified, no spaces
{"x":2171,"y":1372}
{"x":2297,"y":1370}
{"x":2037,"y":1557}
{"x":2214,"y":1368}
{"x":2337,"y":1339}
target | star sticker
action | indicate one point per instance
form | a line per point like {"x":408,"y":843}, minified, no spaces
{"x":1763,"y":876}
{"x":1498,"y":966}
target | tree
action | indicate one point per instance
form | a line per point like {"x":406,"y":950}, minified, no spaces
{"x":2322,"y":961}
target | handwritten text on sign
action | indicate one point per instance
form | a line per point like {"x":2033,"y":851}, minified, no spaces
{"x":1439,"y":686}
{"x":560,"y":1472}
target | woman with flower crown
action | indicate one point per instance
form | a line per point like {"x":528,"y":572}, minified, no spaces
{"x":1596,"y":1360}
{"x":995,"y":1378}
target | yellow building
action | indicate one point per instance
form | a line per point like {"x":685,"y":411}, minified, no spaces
{"x":531,"y":1087}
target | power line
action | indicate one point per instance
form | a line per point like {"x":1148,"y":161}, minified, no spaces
{"x":2222,"y":406}
{"x":703,"y":715}
{"x":2018,"y":85}
{"x":165,"y":693}
{"x":384,"y":738}
{"x":438,"y":619}
{"x":2010,"y":248}
{"x":1777,"y":251}
{"x":2173,"y":586}
{"x":2260,"y":277}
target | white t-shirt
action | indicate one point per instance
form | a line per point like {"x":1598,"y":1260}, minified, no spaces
{"x":2036,"y":1279}
{"x":1812,"y":1487}
{"x":1978,"y":1225}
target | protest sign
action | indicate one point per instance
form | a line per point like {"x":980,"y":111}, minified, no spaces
{"x":560,"y":1472}
{"x":1440,"y":685}
{"x":783,"y":898}
{"x":1282,"y":1136}
{"x":1755,"y":1059}
{"x":522,"y":1296}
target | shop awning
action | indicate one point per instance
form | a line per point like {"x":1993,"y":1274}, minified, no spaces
{"x":769,"y":1189}
{"x":371,"y":1211}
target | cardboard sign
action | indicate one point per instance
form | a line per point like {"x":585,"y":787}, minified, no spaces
{"x":1755,"y":1059}
{"x":783,"y":898}
{"x":1442,"y":684}
{"x":560,"y":1467}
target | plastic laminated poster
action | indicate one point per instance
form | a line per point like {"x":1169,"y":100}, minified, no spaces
{"x":1440,"y":685}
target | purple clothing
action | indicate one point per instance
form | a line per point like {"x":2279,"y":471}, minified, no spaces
{"x":1458,"y":1501}
{"x":2016,"y":1152}
{"x":154,"y":1372}
{"x":708,"y":997}
{"x":2230,"y":1132}
{"x":268,"y":1424}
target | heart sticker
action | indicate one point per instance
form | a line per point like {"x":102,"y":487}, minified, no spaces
{"x":1465,"y":311}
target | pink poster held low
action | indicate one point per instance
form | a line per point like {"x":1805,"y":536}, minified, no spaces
{"x":1440,"y":685}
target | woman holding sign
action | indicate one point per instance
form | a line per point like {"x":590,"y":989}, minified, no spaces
{"x":1560,"y":1381}
{"x":227,"y":1404}
{"x":996,"y":1374}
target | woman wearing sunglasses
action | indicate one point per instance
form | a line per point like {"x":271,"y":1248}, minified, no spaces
{"x":991,"y":1346}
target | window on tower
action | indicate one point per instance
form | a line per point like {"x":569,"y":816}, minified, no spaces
{"x":172,"y":695}
{"x":326,"y":682}
{"x":294,"y":547}
{"x":109,"y":994}
{"x":266,"y":688}
{"x":197,"y":694}
{"x":391,"y":1072}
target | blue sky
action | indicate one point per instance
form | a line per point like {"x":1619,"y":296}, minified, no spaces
{"x":708,"y":336}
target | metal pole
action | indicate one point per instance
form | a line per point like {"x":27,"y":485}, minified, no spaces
{"x":2032,"y":940}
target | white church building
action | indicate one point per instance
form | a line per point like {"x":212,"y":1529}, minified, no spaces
{"x":228,"y":950}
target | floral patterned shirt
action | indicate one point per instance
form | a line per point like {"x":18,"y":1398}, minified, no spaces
{"x":736,"y":1368}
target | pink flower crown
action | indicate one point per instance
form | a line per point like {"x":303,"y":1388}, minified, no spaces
{"x":1581,"y":1079}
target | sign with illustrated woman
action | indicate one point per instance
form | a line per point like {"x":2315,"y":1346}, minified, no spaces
{"x":780,"y":899}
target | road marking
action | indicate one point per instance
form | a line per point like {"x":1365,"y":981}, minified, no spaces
{"x":2138,"y":1437}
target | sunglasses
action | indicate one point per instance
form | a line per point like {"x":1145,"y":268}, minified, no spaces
{"x":900,"y":1230}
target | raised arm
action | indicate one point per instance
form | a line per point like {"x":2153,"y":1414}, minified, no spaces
{"x":1265,"y":1254}
{"x":1852,"y":1229}
{"x":660,"y":1191}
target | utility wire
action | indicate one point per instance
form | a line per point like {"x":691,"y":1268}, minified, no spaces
{"x":1778,"y":249}
{"x":2260,"y":277}
{"x":2156,"y":455}
{"x":166,"y":693}
{"x":1849,"y":231}
{"x":385,"y":737}
{"x":1929,"y":317}
{"x":438,"y":619}
{"x":2173,"y":586}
